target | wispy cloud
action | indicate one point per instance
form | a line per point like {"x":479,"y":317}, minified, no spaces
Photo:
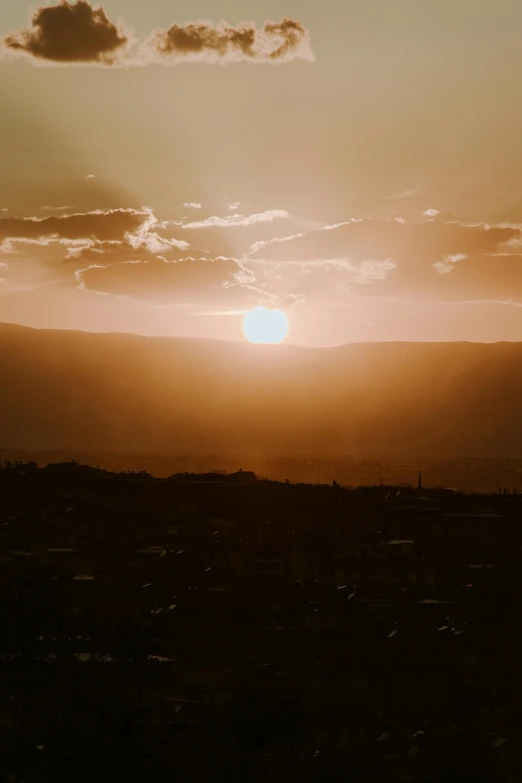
{"x":264,"y":243}
{"x":99,"y":224}
{"x":412,"y":260}
{"x":415,"y":242}
{"x":212,"y":264}
{"x":448,"y":265}
{"x":360,"y":271}
{"x":218,"y":282}
{"x":231,"y":221}
{"x":403,"y":194}
{"x":192,"y":205}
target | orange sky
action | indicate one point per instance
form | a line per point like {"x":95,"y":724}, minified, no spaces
{"x":355,"y":164}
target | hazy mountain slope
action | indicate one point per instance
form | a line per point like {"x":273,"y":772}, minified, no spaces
{"x":123,"y":392}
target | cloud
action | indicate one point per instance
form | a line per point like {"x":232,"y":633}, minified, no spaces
{"x":312,"y":278}
{"x":70,"y":33}
{"x":130,"y":253}
{"x":448,"y":264}
{"x":276,"y":42}
{"x":479,"y":277}
{"x":136,"y":247}
{"x":78,"y":32}
{"x":234,"y":206}
{"x":192,"y":205}
{"x":104,"y":237}
{"x":137,"y":257}
{"x":56,"y":209}
{"x":238,"y":220}
{"x":231,"y":236}
{"x":219,"y":282}
{"x":425,"y":242}
{"x":263,"y":243}
{"x":431,"y":260}
{"x":99,"y":225}
{"x":404,"y":194}
{"x":369,"y":270}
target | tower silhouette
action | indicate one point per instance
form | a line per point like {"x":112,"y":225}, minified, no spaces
{"x":419,"y":481}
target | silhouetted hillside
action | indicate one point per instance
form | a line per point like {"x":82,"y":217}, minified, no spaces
{"x":124,"y":392}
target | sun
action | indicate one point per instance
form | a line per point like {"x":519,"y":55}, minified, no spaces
{"x":265,"y":326}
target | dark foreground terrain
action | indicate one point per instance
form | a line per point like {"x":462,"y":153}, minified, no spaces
{"x":212,"y":627}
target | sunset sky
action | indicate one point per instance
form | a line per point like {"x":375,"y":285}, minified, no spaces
{"x":356,"y":164}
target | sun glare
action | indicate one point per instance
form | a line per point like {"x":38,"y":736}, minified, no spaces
{"x":265,"y":326}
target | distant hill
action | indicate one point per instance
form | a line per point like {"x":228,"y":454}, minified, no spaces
{"x":123,"y":392}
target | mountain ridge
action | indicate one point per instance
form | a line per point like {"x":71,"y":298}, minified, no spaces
{"x":125,"y":392}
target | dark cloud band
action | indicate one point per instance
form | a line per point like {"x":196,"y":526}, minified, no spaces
{"x":81,"y":33}
{"x":70,"y":33}
{"x":275,"y":42}
{"x":101,"y":225}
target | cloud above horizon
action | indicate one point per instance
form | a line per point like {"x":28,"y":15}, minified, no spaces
{"x":403,"y":194}
{"x":99,"y":225}
{"x":244,"y":259}
{"x":124,"y":252}
{"x":223,"y":282}
{"x":428,"y":260}
{"x":136,"y":247}
{"x":71,"y":33}
{"x":235,"y":220}
{"x":275,"y":42}
{"x":80,"y":33}
{"x":427,"y":241}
